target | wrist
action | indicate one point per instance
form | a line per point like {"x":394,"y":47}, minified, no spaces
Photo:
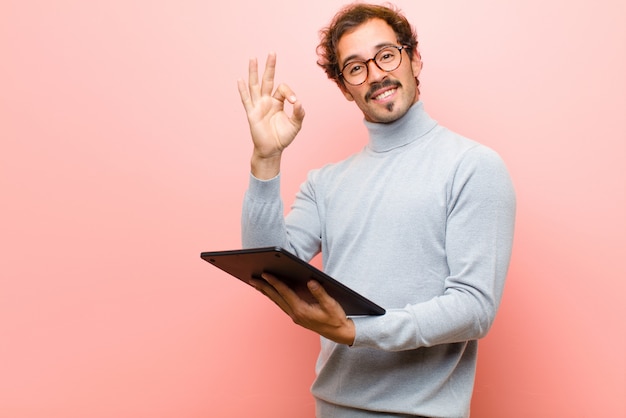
{"x":349,"y":334}
{"x":265,"y":168}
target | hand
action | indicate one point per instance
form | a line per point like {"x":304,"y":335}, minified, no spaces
{"x":272,"y":129}
{"x":326,"y":317}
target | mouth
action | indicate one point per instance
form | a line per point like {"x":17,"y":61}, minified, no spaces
{"x":384,"y":94}
{"x":382,"y":91}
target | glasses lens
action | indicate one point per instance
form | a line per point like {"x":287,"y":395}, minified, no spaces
{"x":388,"y":59}
{"x":355,"y":72}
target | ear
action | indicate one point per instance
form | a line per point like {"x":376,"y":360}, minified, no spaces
{"x":416,"y":63}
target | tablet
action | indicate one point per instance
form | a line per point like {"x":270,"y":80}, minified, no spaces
{"x":250,"y":263}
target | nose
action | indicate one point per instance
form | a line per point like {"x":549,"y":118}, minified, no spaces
{"x":374,"y":72}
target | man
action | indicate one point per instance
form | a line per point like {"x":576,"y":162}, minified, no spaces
{"x":421,"y":221}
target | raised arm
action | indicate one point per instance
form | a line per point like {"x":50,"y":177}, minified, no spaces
{"x":272,"y":129}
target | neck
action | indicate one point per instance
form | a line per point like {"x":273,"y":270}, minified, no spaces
{"x":409,"y":128}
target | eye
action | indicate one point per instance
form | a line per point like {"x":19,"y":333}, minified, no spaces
{"x":386,"y":56}
{"x":355,"y":68}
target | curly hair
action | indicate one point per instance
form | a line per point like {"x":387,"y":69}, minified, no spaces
{"x":348,"y":19}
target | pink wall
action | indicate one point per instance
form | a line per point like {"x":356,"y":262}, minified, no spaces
{"x":124,"y":154}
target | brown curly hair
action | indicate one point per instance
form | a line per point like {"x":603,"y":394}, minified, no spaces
{"x":348,"y":19}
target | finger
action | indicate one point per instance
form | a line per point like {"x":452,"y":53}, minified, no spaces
{"x":288,"y":295}
{"x":284,"y":92}
{"x":280,"y":286}
{"x":253,"y":79}
{"x":298,"y":114}
{"x":327,"y":303}
{"x":265,"y":287}
{"x":267,"y":84}
{"x":244,"y":93}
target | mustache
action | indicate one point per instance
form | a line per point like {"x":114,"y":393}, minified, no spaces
{"x":384,"y":84}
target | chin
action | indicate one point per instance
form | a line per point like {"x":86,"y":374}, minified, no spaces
{"x":386,"y":117}
{"x":386,"y":113}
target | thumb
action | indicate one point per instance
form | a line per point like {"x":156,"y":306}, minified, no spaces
{"x":298,"y":114}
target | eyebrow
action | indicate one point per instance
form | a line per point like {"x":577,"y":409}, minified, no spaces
{"x":355,"y":56}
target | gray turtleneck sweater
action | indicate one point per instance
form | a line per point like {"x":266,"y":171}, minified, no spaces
{"x":421,"y":222}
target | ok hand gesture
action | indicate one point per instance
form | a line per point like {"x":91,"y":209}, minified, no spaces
{"x":272,"y":129}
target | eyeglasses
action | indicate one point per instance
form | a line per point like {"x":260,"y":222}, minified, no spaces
{"x":387,"y":59}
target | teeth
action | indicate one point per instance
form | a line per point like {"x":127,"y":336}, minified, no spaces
{"x":385,"y":94}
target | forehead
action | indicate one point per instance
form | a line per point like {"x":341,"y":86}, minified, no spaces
{"x":365,"y":40}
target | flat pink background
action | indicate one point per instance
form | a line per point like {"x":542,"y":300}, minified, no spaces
{"x":124,"y":154}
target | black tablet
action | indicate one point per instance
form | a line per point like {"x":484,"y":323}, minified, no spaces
{"x":250,"y":263}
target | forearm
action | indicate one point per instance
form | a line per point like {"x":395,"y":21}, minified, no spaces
{"x":262,"y":222}
{"x":443,"y":320}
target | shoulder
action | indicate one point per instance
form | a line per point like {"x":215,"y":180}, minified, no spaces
{"x":461,"y":150}
{"x":464,"y":162}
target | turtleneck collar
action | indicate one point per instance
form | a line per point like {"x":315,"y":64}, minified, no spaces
{"x":413,"y":125}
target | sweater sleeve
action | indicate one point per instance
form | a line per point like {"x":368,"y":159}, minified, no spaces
{"x":263,"y":222}
{"x":478,"y":243}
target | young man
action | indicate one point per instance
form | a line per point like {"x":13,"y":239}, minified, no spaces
{"x":421,"y":220}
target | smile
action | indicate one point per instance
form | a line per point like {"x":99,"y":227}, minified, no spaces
{"x":385,"y":94}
